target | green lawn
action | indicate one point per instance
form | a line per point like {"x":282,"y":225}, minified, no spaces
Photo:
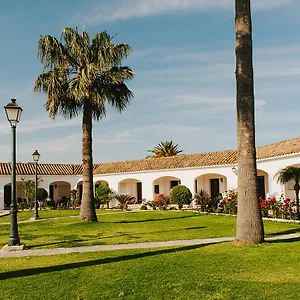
{"x":220,"y":271}
{"x":124,"y":227}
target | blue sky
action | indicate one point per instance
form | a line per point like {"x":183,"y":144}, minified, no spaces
{"x":183,"y":57}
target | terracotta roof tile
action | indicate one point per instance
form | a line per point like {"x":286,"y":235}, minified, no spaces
{"x":206,"y":159}
{"x":217,"y":158}
{"x":43,"y":169}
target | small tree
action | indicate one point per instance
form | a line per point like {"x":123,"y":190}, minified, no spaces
{"x":104,"y":194}
{"x":124,"y":199}
{"x":202,"y":199}
{"x":180,"y":195}
{"x":287,"y":174}
{"x":42,"y":195}
{"x":28,"y":188}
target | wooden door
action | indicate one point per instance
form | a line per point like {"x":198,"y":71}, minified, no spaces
{"x":139,"y":191}
{"x":214,"y":187}
{"x":261,"y":187}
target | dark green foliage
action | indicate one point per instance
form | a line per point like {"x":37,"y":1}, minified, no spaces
{"x":42,"y":194}
{"x":202,"y":199}
{"x":181,"y":195}
{"x":103,"y":195}
{"x":164,"y":149}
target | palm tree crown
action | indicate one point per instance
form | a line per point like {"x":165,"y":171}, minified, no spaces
{"x":81,"y":74}
{"x":164,"y":149}
{"x":80,"y":70}
{"x":287,"y":174}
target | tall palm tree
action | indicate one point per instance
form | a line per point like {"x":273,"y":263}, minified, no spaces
{"x":164,"y":149}
{"x":249,"y":221}
{"x":287,"y":174}
{"x":82,"y":75}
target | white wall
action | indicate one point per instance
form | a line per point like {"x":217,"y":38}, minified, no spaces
{"x":187,"y":177}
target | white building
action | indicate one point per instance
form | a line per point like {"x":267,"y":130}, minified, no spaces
{"x":147,"y":178}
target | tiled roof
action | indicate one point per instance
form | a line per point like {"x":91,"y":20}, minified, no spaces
{"x":227,"y":157}
{"x":206,"y":159}
{"x":43,"y":169}
{"x":279,"y":149}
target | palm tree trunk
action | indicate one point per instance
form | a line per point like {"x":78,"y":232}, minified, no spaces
{"x":87,"y":209}
{"x":249,"y":222}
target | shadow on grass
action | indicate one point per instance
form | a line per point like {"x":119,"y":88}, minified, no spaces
{"x":70,"y":266}
{"x":290,"y":240}
{"x":149,"y":220}
{"x":136,"y":235}
{"x":296,"y":230}
{"x":56,"y":243}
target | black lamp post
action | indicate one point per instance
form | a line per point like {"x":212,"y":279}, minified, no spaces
{"x":36,"y":157}
{"x":13,"y":114}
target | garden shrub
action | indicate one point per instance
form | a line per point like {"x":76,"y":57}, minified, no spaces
{"x":181,"y":195}
{"x":143,"y":207}
{"x":104,"y":194}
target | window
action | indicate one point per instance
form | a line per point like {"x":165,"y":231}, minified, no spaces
{"x":156,"y":189}
{"x":174,"y":183}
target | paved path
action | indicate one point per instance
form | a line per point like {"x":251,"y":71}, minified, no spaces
{"x":4,"y":213}
{"x":55,"y":251}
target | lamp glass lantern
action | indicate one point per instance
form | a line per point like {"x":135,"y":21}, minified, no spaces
{"x":36,"y":156}
{"x":13,"y":112}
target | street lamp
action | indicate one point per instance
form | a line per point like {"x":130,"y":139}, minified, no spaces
{"x":36,"y":157}
{"x":235,"y":170}
{"x":13,"y":113}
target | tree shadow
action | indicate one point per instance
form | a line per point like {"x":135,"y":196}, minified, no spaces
{"x":149,"y":220}
{"x":285,"y":232}
{"x":55,"y":243}
{"x":136,"y":235}
{"x":102,"y":261}
{"x":290,"y":240}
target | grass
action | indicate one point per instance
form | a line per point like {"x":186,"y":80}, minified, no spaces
{"x":119,"y":228}
{"x":220,"y":271}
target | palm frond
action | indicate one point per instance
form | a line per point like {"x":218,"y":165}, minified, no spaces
{"x":80,"y":69}
{"x":52,"y":53}
{"x":287,"y":174}
{"x":166,"y":148}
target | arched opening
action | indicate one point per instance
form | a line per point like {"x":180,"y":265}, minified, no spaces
{"x":131,"y":187}
{"x":59,"y":190}
{"x":163,"y":185}
{"x":98,"y":182}
{"x":19,"y":191}
{"x":214,"y":184}
{"x":262,"y":184}
{"x":79,"y":190}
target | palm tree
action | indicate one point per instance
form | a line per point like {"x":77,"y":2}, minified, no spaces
{"x":249,"y":221}
{"x":82,"y":75}
{"x":287,"y":174}
{"x":164,"y":149}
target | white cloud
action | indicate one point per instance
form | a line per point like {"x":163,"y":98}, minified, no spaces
{"x":127,"y":9}
{"x":39,"y":123}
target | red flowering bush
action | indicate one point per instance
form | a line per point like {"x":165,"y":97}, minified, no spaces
{"x":228,"y":204}
{"x":161,"y":202}
{"x":284,"y":208}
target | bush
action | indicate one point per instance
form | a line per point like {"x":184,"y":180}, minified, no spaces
{"x":42,"y":194}
{"x":103,"y":195}
{"x":124,"y":200}
{"x":202,"y":199}
{"x":143,"y":207}
{"x":181,"y":195}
